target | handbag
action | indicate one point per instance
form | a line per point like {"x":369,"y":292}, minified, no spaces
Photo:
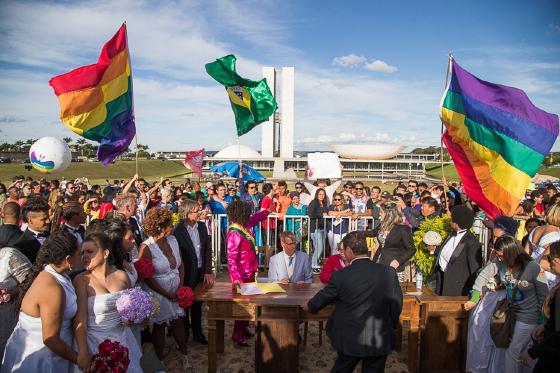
{"x":502,"y":321}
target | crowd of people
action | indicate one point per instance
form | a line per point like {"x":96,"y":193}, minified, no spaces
{"x":68,"y":248}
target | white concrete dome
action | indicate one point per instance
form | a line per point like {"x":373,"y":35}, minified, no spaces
{"x":373,"y":151}
{"x":237,"y":152}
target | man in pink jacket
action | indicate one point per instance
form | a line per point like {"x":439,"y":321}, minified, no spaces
{"x":242,"y":258}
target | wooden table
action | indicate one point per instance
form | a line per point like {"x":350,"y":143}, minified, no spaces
{"x":277,"y":317}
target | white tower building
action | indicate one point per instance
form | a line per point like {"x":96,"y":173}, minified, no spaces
{"x":277,"y":134}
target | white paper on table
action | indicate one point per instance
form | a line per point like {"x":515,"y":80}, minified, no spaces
{"x":323,"y":166}
{"x":250,"y":289}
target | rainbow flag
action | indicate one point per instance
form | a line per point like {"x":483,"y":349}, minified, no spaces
{"x":496,"y":137}
{"x":96,"y":100}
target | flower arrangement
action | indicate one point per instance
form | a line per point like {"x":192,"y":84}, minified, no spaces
{"x":185,"y":296}
{"x":145,"y":268}
{"x":111,"y":358}
{"x":134,"y":305}
{"x":423,"y":258}
{"x":175,"y":218}
{"x":5,"y":296}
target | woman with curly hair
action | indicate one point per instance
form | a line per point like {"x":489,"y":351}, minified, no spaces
{"x":242,"y":260}
{"x":162,"y":249}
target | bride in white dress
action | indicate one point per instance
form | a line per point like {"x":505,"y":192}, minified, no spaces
{"x":42,"y":339}
{"x":98,"y":289}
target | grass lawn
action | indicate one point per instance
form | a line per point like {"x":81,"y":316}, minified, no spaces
{"x":96,"y":173}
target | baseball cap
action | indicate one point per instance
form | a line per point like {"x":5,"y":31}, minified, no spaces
{"x":385,"y":194}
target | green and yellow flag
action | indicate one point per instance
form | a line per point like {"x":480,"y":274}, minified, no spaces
{"x":251,"y":101}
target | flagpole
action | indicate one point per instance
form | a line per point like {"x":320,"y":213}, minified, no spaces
{"x":445,"y":189}
{"x":132,"y":102}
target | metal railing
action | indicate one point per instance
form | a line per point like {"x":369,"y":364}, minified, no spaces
{"x":313,"y":236}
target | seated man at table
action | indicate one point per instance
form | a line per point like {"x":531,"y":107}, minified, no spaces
{"x":289,"y":265}
{"x":368,"y":302}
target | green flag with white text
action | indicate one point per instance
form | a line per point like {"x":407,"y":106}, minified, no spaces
{"x":251,"y":101}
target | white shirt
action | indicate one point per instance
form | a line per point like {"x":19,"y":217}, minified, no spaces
{"x":449,"y":248}
{"x":195,"y":239}
{"x":41,"y":238}
{"x":289,"y":266}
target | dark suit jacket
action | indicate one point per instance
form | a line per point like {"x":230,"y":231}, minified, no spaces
{"x":81,"y":230}
{"x":9,"y":234}
{"x":188,"y":253}
{"x":398,"y":245}
{"x":461,"y":270}
{"x":28,"y":245}
{"x":368,"y":301}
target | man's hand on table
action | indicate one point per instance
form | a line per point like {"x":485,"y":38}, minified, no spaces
{"x":209,"y":280}
{"x":305,"y":306}
{"x":235,"y":285}
{"x":284,"y":281}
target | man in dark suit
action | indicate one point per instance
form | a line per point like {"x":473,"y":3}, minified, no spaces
{"x":459,"y":257}
{"x":74,"y":217}
{"x":368,"y":301}
{"x":196,"y":254}
{"x":36,"y":214}
{"x":10,"y":231}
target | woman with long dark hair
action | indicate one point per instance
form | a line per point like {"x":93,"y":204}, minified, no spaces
{"x":42,"y":339}
{"x":547,"y":337}
{"x":242,"y":260}
{"x":98,"y":289}
{"x":318,"y":208}
{"x":525,"y":286}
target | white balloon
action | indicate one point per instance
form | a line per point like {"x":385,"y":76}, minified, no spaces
{"x":50,"y":155}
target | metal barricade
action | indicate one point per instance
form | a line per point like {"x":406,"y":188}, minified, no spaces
{"x":317,"y":243}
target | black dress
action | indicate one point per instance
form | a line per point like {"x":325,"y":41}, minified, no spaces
{"x":548,"y":351}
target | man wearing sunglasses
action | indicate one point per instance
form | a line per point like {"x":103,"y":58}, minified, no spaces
{"x":360,"y":206}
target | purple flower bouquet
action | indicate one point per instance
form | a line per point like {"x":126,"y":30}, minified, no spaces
{"x":134,"y":305}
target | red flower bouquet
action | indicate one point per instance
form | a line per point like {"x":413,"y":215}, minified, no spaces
{"x":111,"y":358}
{"x":145,"y":268}
{"x":4,"y":296}
{"x":185,"y":297}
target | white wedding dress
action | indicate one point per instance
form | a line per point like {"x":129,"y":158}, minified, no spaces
{"x":104,"y":322}
{"x":25,"y":351}
{"x":167,"y":278}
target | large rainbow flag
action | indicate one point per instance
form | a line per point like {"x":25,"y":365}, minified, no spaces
{"x":496,"y":137}
{"x":96,"y":100}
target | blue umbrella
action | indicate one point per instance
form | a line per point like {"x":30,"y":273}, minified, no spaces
{"x":232,"y":169}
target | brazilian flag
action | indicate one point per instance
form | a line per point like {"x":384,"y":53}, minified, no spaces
{"x":251,"y":101}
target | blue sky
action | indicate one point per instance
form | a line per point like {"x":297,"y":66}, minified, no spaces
{"x":366,"y":71}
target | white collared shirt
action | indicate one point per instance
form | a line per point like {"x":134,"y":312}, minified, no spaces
{"x":358,"y":258}
{"x":195,"y":239}
{"x":288,"y":266}
{"x":449,"y":248}
{"x":40,"y":239}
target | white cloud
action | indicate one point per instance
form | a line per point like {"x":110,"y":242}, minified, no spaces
{"x":554,"y":28}
{"x":380,"y":66}
{"x":350,"y":60}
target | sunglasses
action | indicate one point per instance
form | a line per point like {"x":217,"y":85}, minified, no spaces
{"x":337,"y":199}
{"x":359,"y":188}
{"x":251,"y":187}
{"x":412,"y":186}
{"x":298,"y":187}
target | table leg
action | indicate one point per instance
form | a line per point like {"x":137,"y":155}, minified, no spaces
{"x":398,"y":336}
{"x":277,"y":343}
{"x":212,"y":346}
{"x":413,"y":336}
{"x":220,"y":336}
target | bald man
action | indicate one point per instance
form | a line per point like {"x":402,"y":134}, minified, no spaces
{"x":10,"y":231}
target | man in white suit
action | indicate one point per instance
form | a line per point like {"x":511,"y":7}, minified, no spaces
{"x":289,"y":265}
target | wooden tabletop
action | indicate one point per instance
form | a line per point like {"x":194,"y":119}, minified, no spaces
{"x":295,"y":295}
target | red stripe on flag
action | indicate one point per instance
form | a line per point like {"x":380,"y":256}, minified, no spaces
{"x":468,"y":177}
{"x":90,"y":75}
